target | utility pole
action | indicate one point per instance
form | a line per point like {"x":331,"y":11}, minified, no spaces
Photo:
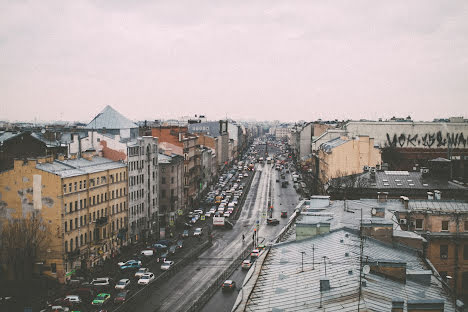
{"x":313,"y":257}
{"x":302,"y":264}
{"x":325,"y":264}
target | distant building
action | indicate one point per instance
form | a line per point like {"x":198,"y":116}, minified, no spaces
{"x":111,"y":122}
{"x":83,"y":201}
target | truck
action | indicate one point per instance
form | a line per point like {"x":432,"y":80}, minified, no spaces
{"x":268,"y":160}
{"x":218,"y":221}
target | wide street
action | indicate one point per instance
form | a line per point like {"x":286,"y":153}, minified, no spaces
{"x":186,"y":286}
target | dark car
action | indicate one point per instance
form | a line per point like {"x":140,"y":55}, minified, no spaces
{"x":172,"y":249}
{"x":228,"y":285}
{"x":122,"y":296}
{"x":180,"y":243}
{"x":164,"y":242}
{"x":185,"y":233}
{"x":87,"y":294}
{"x":272,"y":221}
{"x":284,"y":214}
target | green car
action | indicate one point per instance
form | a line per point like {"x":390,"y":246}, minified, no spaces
{"x":101,"y":299}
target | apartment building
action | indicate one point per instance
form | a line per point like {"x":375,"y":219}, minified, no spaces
{"x":171,"y":189}
{"x":82,"y":201}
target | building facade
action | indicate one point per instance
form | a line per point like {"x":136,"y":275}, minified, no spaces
{"x":83,"y":201}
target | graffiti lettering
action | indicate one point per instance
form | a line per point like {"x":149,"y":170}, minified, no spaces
{"x":438,"y":139}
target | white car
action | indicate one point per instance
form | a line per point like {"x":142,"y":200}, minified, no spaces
{"x":198,"y":211}
{"x":198,"y":232}
{"x":146,"y":279}
{"x":122,"y":284}
{"x":148,"y":252}
{"x":166,"y":265}
{"x":141,"y":272}
{"x":73,"y":299}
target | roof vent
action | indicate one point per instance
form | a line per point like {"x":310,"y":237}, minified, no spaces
{"x":324,"y":284}
{"x":350,"y":272}
{"x":346,"y":254}
{"x":422,"y":276}
{"x":341,"y":240}
{"x":364,"y":283}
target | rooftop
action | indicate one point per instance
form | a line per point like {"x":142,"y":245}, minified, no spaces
{"x":109,"y":118}
{"x":285,"y":282}
{"x":328,"y":146}
{"x":76,"y":167}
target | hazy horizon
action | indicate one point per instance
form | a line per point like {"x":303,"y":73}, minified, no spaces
{"x":263,"y":60}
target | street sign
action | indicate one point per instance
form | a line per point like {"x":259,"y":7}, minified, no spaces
{"x":180,"y":212}
{"x":202,"y":218}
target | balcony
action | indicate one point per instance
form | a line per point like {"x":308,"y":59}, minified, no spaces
{"x":101,"y":221}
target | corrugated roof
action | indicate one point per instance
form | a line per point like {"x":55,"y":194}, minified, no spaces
{"x":5,"y":136}
{"x":283,"y":285}
{"x":79,"y":166}
{"x":440,"y":206}
{"x":407,"y":180}
{"x":328,"y":146}
{"x":109,"y":118}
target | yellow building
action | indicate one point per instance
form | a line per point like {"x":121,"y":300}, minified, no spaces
{"x":84,"y":202}
{"x":346,"y":156}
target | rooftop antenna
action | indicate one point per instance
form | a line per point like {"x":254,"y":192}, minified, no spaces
{"x":325,"y":263}
{"x":302,"y":264}
{"x":313,"y":257}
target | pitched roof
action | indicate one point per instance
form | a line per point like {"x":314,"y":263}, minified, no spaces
{"x":109,"y":118}
{"x":288,"y":282}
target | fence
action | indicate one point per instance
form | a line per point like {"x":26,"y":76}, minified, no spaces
{"x":211,"y":290}
{"x":132,"y":303}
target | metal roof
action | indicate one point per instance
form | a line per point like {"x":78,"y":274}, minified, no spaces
{"x":76,"y":167}
{"x":328,"y":146}
{"x":440,"y":206}
{"x":282,"y":284}
{"x":5,"y":136}
{"x":109,"y":118}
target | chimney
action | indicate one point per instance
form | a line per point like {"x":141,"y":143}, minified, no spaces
{"x":436,"y":305}
{"x":379,"y":229}
{"x":382,"y":196}
{"x":324,"y":284}
{"x":437,"y":194}
{"x":392,"y":269}
{"x":61,"y":157}
{"x":419,"y":276}
{"x":398,"y":305}
{"x":430,"y":195}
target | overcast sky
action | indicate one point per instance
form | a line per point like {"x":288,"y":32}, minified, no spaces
{"x":286,"y":60}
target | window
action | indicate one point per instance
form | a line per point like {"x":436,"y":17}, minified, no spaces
{"x":85,"y":237}
{"x":76,"y":242}
{"x":465,"y":280}
{"x":81,"y":204}
{"x":75,"y":184}
{"x":66,"y":246}
{"x":163,"y":180}
{"x":102,"y":198}
{"x":94,"y":215}
{"x":81,"y":185}
{"x":81,"y":240}
{"x":66,"y":227}
{"x":172,"y":180}
{"x":163,"y":193}
{"x":76,"y":223}
{"x":71,"y":244}
{"x":465,"y":252}
{"x":84,"y":219}
{"x":71,"y":225}
{"x":84,"y":203}
{"x":69,"y":187}
{"x":445,"y":225}
{"x":443,"y":251}
{"x":419,"y":224}
{"x":65,"y":207}
{"x":98,"y":214}
{"x":113,"y":194}
{"x":53,"y":266}
{"x":81,"y":221}
{"x":64,"y":188}
{"x":466,"y":226}
{"x":84,"y":184}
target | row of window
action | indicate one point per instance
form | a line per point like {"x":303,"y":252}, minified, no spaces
{"x":444,"y":252}
{"x":95,"y":200}
{"x":163,"y":180}
{"x":78,"y":222}
{"x":138,"y":209}
{"x":81,"y":185}
{"x":93,"y":235}
{"x":419,"y":225}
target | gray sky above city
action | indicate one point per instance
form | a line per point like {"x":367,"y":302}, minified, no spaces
{"x":285,"y":60}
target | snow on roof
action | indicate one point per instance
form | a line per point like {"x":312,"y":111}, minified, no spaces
{"x":109,"y":118}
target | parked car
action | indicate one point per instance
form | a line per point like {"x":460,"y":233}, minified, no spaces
{"x":59,"y":309}
{"x":146,"y":279}
{"x":121,"y":296}
{"x":180,"y":243}
{"x":129,"y":263}
{"x":254,"y":253}
{"x":147,"y":252}
{"x":167,"y":265}
{"x":172,"y":249}
{"x":131,"y":266}
{"x":101,"y":282}
{"x":246,"y":264}
{"x":198,"y":232}
{"x":272,"y":221}
{"x":101,"y":299}
{"x":122,"y":284}
{"x":284,"y":214}
{"x":160,"y":246}
{"x":228,"y":285}
{"x":185,"y":233}
{"x":141,"y":272}
{"x":85,"y":294}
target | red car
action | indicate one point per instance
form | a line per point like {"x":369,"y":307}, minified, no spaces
{"x":121,"y":296}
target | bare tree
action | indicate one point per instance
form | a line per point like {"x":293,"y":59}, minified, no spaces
{"x":346,"y":185}
{"x":22,"y":242}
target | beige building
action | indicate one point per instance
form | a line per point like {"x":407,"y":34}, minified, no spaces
{"x":346,"y":156}
{"x":83,"y":201}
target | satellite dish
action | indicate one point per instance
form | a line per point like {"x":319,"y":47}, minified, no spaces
{"x":43,"y":131}
{"x":366,"y":269}
{"x":373,"y":211}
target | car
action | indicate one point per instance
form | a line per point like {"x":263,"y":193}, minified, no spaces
{"x":284,"y":214}
{"x":129,"y":263}
{"x":164,"y":255}
{"x":255,"y":253}
{"x":160,"y":246}
{"x":101,"y":282}
{"x":141,"y":272}
{"x":246,"y":264}
{"x":146,"y":279}
{"x":122,"y":284}
{"x":56,"y":308}
{"x":172,"y":249}
{"x":198,"y":211}
{"x":121,"y":296}
{"x":198,"y":232}
{"x":272,"y":221}
{"x":180,"y":243}
{"x":227,"y":214}
{"x":228,"y":285}
{"x":193,"y":221}
{"x":69,"y":300}
{"x":185,"y":233}
{"x":101,"y":299}
{"x":167,"y":265}
{"x":85,"y":294}
{"x":246,"y":175}
{"x":164,"y":242}
{"x":261,"y":247}
{"x":147,"y":252}
{"x":207,"y":214}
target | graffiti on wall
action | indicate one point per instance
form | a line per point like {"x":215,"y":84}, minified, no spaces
{"x":430,"y":140}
